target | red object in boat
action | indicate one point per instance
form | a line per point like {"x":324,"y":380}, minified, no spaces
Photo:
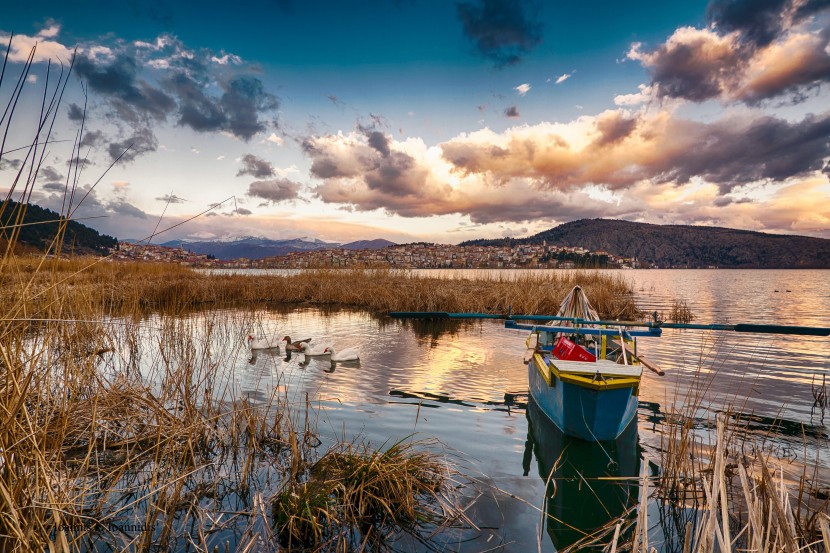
{"x":567,"y":350}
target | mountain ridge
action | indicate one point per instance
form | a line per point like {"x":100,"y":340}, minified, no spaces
{"x":683,"y":245}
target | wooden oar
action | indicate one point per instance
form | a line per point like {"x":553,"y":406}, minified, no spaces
{"x":645,"y":362}
{"x":756,"y":328}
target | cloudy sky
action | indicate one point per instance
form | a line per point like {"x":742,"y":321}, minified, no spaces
{"x":422,"y":120}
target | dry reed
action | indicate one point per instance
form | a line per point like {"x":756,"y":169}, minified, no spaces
{"x":127,"y":288}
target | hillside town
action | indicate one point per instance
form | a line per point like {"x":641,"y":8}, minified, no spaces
{"x":405,"y":256}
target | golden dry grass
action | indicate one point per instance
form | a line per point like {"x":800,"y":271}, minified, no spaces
{"x":127,"y":288}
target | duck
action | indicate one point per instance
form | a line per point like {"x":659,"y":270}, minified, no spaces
{"x":348,"y":354}
{"x":269,"y":342}
{"x":310,"y":351}
{"x":293,"y":346}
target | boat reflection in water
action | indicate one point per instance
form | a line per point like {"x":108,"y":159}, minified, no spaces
{"x":593,"y":482}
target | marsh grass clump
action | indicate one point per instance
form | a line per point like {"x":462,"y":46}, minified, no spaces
{"x":680,"y":312}
{"x":355,"y":495}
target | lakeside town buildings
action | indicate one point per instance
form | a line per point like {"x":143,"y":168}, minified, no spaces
{"x":405,"y":256}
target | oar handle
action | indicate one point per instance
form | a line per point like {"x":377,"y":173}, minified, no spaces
{"x":443,"y":315}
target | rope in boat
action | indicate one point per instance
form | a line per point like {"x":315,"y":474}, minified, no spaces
{"x":576,"y":305}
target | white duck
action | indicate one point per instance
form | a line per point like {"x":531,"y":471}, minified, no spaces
{"x":269,"y":342}
{"x":348,"y":354}
{"x":313,"y":351}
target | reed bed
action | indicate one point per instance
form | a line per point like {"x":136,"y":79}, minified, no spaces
{"x":125,"y":288}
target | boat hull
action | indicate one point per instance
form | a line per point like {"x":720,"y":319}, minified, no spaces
{"x":589,"y":411}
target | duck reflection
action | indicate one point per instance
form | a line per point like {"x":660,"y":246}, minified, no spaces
{"x":263,"y":356}
{"x":588,"y":487}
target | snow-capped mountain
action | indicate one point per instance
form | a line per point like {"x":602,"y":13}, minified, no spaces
{"x":251,"y":247}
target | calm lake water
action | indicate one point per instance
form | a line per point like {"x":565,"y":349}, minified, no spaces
{"x":464,"y":383}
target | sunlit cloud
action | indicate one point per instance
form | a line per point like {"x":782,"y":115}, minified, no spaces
{"x":562,"y":78}
{"x":749,"y":53}
{"x":522,"y":89}
{"x":45,"y":49}
{"x":620,"y":163}
{"x":274,"y":139}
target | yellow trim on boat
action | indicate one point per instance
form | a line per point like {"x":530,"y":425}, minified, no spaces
{"x":542,"y":367}
{"x":549,"y":371}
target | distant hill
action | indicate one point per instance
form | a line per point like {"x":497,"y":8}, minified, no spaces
{"x":377,"y":244}
{"x":258,"y":248}
{"x":40,"y":226}
{"x":683,"y":245}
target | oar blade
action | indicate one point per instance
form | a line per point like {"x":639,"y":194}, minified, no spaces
{"x":781,"y":329}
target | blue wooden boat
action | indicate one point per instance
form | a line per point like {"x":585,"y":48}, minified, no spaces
{"x":592,"y":400}
{"x":585,"y":377}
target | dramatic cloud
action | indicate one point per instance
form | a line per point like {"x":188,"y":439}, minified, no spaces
{"x":244,"y":98}
{"x":145,"y":84}
{"x":256,"y":167}
{"x":75,"y":112}
{"x":761,"y":22}
{"x":92,"y":139}
{"x":133,"y":99}
{"x":50,"y":174}
{"x":122,"y":207}
{"x":501,"y":30}
{"x":753,"y":51}
{"x":617,"y":150}
{"x":602,"y":166}
{"x":236,"y":111}
{"x":275,"y":190}
{"x":6,"y":163}
{"x":412,"y":180}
